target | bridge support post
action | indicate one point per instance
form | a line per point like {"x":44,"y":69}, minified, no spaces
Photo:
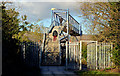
{"x":59,"y":46}
{"x":67,"y":42}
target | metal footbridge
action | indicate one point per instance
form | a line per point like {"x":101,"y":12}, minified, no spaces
{"x":63,"y":25}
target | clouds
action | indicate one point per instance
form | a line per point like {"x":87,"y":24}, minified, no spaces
{"x":63,"y":0}
{"x":42,"y":10}
{"x":43,"y":0}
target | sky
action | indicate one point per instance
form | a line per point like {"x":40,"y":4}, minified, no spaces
{"x":41,"y":9}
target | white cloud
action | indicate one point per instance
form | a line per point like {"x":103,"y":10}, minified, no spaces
{"x":62,"y":0}
{"x":42,"y":10}
{"x":41,"y":0}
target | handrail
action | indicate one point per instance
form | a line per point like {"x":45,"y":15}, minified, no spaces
{"x":54,"y":23}
{"x":60,"y":16}
{"x":73,"y":18}
{"x":43,"y":41}
{"x":72,"y":21}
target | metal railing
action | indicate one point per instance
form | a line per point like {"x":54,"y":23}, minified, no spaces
{"x":73,"y":24}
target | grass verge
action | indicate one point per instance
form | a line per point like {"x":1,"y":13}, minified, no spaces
{"x":97,"y":73}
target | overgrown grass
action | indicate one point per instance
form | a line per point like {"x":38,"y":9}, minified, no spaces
{"x":96,"y":73}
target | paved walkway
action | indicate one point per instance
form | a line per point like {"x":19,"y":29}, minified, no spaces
{"x":56,"y":71}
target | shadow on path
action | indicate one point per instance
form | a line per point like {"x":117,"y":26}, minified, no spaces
{"x":56,"y":71}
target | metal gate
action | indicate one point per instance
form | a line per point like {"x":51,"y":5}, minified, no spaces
{"x":31,"y":53}
{"x":98,"y":55}
{"x":73,"y":55}
{"x":103,"y":55}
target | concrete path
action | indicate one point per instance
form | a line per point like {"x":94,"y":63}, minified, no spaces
{"x":56,"y":71}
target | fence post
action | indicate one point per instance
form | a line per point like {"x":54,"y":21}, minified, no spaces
{"x":109,"y":55}
{"x":74,"y":54}
{"x":66,"y":53}
{"x":37,"y":53}
{"x":69,"y":52}
{"x":77,"y":55}
{"x":111,"y":52}
{"x":96,"y":55}
{"x":87,"y":55}
{"x":24,"y":51}
{"x":99,"y":56}
{"x":80,"y":55}
{"x":40,"y":54}
{"x":104,"y":55}
{"x":90,"y":56}
{"x":60,"y":51}
{"x":32,"y":54}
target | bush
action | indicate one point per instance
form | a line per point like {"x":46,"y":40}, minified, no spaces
{"x":116,"y":56}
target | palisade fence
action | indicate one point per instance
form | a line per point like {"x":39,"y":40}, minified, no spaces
{"x":103,"y":55}
{"x":98,"y":55}
{"x":31,"y":53}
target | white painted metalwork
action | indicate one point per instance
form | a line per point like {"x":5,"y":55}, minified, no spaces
{"x":98,"y":55}
{"x":80,"y":55}
{"x":66,"y":53}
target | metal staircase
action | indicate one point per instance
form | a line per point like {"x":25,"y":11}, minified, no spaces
{"x":67,"y":23}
